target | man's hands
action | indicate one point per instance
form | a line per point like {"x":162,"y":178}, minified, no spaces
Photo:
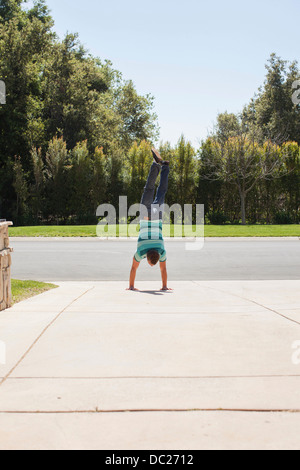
{"x":164,"y":276}
{"x":164,"y":289}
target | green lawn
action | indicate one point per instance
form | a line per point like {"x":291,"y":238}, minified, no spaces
{"x":22,"y":290}
{"x":210,"y":231}
{"x":252,"y":231}
{"x":54,"y":231}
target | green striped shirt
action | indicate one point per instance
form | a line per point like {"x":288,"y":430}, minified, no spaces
{"x":150,"y":238}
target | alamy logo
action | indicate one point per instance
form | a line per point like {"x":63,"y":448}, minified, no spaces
{"x":2,"y":353}
{"x":2,"y":92}
{"x":296,"y":94}
{"x":183,"y":225}
{"x":296,"y":354}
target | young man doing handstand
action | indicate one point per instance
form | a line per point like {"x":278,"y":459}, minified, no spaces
{"x":151,"y":242}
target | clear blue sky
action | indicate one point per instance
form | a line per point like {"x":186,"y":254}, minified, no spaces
{"x":197,"y":58}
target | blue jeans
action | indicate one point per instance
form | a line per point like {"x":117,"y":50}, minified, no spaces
{"x":151,"y":204}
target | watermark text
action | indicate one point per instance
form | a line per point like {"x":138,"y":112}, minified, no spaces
{"x":2,"y":353}
{"x":296,"y":354}
{"x":185,"y":222}
{"x":2,"y":92}
{"x":296,"y":94}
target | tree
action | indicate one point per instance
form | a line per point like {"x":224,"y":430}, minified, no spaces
{"x":40,"y":11}
{"x":272,"y":111}
{"x":77,"y":98}
{"x":116,"y":171}
{"x":209,"y":192}
{"x":56,"y":88}
{"x":37,"y":188}
{"x":291,"y":181}
{"x":21,"y":188}
{"x":138,"y":164}
{"x":56,"y":170}
{"x":184,"y":171}
{"x":23,"y":44}
{"x":9,"y":9}
{"x":227,"y":125}
{"x":81,"y":179}
{"x":242,"y":162}
{"x":138,"y":120}
{"x":99,"y":178}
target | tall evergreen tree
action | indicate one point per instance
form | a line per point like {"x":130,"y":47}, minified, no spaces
{"x":272,"y":110}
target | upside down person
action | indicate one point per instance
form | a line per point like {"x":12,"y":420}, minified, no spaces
{"x":151,"y":242}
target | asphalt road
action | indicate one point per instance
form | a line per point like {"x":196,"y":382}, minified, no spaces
{"x":92,"y":260}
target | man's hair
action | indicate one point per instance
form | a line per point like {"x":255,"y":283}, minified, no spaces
{"x":153,"y":256}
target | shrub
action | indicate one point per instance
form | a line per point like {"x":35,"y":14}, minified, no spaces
{"x":217,"y":218}
{"x":283,"y":218}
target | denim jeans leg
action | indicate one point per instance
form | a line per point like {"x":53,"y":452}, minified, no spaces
{"x":149,"y":190}
{"x":162,"y":189}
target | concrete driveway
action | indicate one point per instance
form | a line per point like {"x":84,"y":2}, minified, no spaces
{"x":211,"y":365}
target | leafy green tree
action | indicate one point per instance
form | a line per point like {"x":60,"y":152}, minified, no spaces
{"x":99,"y":179}
{"x":209,"y":192}
{"x":272,"y":110}
{"x":57,"y":170}
{"x":77,"y":97}
{"x":227,"y":125}
{"x":56,"y":88}
{"x":9,"y":9}
{"x":184,"y":169}
{"x":168,"y":153}
{"x":116,"y":175}
{"x":41,"y":11}
{"x":138,"y":164}
{"x":291,"y":181}
{"x":21,"y":188}
{"x":242,"y":162}
{"x":138,"y":120}
{"x":23,"y":42}
{"x":81,"y":179}
{"x":37,"y":188}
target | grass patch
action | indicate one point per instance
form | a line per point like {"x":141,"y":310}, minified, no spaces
{"x":54,"y":231}
{"x":252,"y":231}
{"x":210,"y":231}
{"x":22,"y":290}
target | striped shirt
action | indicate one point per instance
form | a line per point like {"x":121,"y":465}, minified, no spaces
{"x":150,"y":238}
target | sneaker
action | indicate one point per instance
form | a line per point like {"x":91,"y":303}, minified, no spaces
{"x":158,"y":158}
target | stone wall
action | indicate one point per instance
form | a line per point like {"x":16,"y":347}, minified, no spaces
{"x":5,"y":264}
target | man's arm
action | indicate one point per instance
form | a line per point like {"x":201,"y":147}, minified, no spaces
{"x":164,"y":275}
{"x":133,"y":271}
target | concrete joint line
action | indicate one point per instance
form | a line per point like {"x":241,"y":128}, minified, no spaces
{"x":154,"y":410}
{"x":162,"y":377}
{"x":253,"y":302}
{"x":41,"y":334}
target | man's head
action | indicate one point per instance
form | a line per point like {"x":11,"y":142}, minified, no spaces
{"x":153,"y":257}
